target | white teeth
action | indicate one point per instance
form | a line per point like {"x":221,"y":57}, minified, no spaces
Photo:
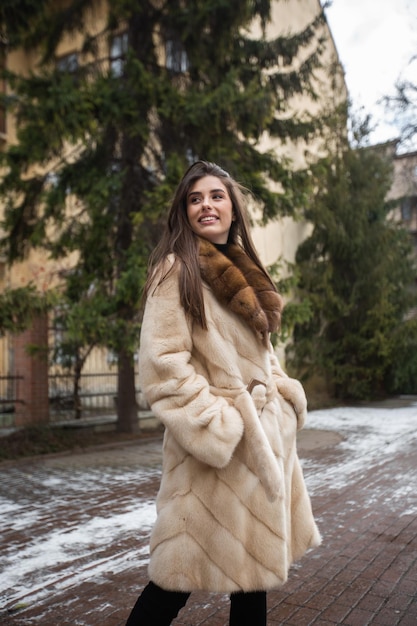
{"x":208,"y":219}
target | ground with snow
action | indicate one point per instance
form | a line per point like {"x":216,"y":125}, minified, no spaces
{"x":73,"y":521}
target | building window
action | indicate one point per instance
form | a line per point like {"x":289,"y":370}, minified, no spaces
{"x":68,"y":63}
{"x":408,"y":208}
{"x":118,"y":50}
{"x":176,"y":57}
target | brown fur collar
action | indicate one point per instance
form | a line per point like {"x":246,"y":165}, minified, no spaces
{"x":240,"y":285}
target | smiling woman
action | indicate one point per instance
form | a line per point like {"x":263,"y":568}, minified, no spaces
{"x":210,"y":209}
{"x":233,"y":509}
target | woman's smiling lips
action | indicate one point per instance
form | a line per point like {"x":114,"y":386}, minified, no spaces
{"x":208,"y":219}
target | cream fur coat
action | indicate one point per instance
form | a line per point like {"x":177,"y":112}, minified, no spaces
{"x":232,"y":510}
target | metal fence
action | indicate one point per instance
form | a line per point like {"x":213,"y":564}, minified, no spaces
{"x":97,"y":394}
{"x":9,"y":396}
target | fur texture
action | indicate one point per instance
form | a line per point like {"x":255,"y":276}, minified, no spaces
{"x":233,"y":510}
{"x":241,"y":286}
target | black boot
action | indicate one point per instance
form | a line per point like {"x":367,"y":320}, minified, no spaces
{"x":248,"y":609}
{"x":156,"y":606}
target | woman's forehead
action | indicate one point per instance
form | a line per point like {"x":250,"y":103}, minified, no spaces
{"x":207,"y":183}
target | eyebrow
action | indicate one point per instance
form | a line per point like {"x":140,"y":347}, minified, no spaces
{"x":197,"y":193}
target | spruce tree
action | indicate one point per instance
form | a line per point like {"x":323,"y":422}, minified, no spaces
{"x":356,"y":272}
{"x":104,"y":136}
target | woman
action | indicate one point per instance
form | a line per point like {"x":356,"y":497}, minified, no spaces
{"x":233,"y":510}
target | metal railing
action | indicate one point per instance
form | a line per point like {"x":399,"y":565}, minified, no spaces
{"x":97,"y":396}
{"x":9,"y":397}
{"x":97,"y":393}
{"x":9,"y":391}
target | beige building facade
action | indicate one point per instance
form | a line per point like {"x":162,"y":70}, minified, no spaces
{"x":281,"y":238}
{"x":404,"y":190}
{"x":278,"y":240}
{"x":404,"y":193}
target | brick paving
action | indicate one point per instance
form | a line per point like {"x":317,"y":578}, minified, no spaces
{"x":364,"y":573}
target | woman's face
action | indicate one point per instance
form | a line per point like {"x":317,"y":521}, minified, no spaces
{"x":210,"y":209}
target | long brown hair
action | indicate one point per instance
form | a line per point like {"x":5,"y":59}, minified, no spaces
{"x":179,"y":239}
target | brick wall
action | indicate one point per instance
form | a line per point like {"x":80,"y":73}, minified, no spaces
{"x":32,"y":391}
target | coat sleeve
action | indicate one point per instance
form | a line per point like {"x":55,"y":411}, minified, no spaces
{"x":290,"y":389}
{"x":205,"y":425}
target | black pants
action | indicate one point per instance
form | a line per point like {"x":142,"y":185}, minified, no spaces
{"x":157,"y":607}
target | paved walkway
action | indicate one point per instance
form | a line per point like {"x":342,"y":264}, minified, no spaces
{"x":75,"y":528}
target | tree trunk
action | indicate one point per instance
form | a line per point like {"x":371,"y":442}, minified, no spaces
{"x":127,"y":410}
{"x":132,"y":149}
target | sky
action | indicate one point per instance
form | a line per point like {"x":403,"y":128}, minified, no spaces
{"x":376,"y":40}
